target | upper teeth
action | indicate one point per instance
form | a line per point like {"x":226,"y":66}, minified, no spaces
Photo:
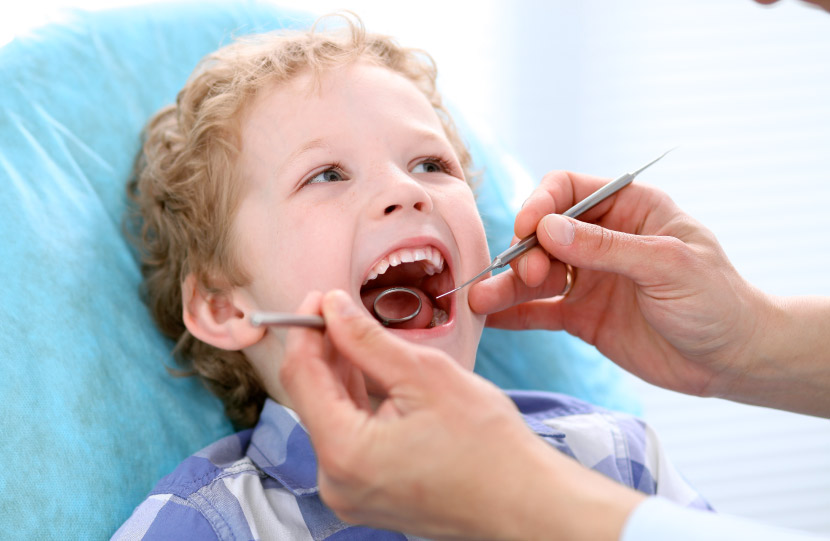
{"x":433,"y":261}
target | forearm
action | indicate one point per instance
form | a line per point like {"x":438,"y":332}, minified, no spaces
{"x":788,"y":365}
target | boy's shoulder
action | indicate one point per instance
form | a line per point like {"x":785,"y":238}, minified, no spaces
{"x":548,"y":404}
{"x":224,"y":457}
{"x":575,"y":421}
{"x":558,"y":412}
{"x":259,"y":483}
{"x":192,"y":502}
{"x":616,"y":444}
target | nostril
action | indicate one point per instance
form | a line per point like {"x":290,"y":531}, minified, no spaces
{"x":420,"y":206}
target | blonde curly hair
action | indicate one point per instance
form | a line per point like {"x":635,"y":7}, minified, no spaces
{"x":185,"y":187}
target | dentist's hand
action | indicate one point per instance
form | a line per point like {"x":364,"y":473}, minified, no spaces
{"x":445,"y":455}
{"x":654,"y":291}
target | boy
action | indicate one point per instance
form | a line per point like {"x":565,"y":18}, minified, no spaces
{"x":316,"y":161}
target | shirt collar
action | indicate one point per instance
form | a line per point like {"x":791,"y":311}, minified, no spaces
{"x":542,"y":429}
{"x":280,"y":447}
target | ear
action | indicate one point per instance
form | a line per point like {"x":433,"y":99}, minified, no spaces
{"x":218,"y":319}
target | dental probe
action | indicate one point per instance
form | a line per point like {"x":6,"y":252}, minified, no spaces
{"x":524,"y":245}
{"x":288,"y":319}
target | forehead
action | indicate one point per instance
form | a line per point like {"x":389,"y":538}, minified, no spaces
{"x":357,"y":96}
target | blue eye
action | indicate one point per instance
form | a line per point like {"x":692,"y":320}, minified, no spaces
{"x":429,"y":166}
{"x":329,"y":175}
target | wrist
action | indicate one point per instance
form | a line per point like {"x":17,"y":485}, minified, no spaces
{"x":786,"y":365}
{"x":759,"y":320}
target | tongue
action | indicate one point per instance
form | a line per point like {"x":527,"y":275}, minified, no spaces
{"x":400,"y":306}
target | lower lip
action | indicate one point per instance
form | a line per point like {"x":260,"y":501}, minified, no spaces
{"x":419,"y":334}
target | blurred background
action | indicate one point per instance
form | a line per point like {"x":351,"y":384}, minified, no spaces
{"x":603,"y":87}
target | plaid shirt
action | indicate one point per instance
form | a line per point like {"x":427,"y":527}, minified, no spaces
{"x":262,"y":483}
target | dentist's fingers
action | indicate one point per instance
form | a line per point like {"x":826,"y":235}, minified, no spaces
{"x":315,"y":385}
{"x":507,"y":289}
{"x":556,"y":186}
{"x":547,"y":314}
{"x":388,"y":360}
{"x":533,"y":267}
{"x":643,"y":259}
{"x":559,"y":191}
{"x":594,"y":247}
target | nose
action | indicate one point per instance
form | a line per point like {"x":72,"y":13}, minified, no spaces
{"x":399,"y":192}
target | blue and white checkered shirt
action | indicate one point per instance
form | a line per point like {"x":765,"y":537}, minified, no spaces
{"x":262,"y":483}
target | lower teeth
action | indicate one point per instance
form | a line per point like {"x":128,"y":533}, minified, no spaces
{"x":439,"y":317}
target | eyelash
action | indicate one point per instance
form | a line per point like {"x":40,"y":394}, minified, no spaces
{"x":444,"y":165}
{"x":336,"y":167}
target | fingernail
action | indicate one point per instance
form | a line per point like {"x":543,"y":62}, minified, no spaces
{"x":342,"y":304}
{"x":531,"y":197}
{"x":523,"y":268}
{"x":559,"y":229}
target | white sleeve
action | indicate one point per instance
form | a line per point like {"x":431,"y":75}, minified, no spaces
{"x":657,"y":519}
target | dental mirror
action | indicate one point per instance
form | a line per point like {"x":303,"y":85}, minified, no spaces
{"x":392,"y":306}
{"x":396,"y":305}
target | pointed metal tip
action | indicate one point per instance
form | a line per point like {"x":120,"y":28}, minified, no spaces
{"x":646,"y":166}
{"x":487,"y":269}
{"x":448,"y":292}
{"x":666,"y":152}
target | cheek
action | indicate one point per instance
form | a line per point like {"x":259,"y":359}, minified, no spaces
{"x":311,"y":263}
{"x":289,"y":256}
{"x":469,"y":230}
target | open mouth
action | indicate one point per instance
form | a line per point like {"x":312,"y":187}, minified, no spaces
{"x":422,"y":270}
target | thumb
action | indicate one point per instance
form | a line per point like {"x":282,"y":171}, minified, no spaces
{"x":381,"y":355}
{"x":591,"y":246}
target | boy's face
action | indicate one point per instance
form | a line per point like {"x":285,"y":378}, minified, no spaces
{"x":343,"y":180}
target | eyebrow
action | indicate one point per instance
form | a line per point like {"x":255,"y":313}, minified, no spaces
{"x":422,"y":135}
{"x":309,"y":146}
{"x":429,"y":136}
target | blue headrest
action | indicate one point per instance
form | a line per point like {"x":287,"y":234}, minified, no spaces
{"x":90,"y":416}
